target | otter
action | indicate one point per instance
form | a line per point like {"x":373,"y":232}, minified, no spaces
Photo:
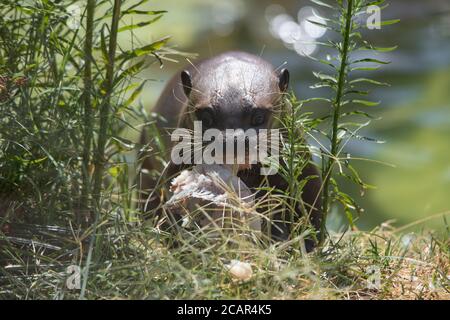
{"x":234,"y":90}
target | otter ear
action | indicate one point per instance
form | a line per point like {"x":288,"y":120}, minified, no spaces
{"x":283,"y":80}
{"x":187,"y":82}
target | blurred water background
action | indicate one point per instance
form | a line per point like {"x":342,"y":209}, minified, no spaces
{"x":415,"y":110}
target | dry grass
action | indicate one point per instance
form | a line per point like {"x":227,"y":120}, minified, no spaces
{"x":137,"y":264}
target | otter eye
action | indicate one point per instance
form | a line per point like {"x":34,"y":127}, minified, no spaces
{"x":258,"y":117}
{"x":206,"y":116}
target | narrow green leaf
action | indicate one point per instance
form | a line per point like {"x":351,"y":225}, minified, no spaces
{"x":322,"y":25}
{"x":129,"y":72}
{"x":349,"y":215}
{"x":371,"y":60}
{"x":363,"y":93}
{"x":386,"y":49}
{"x":359,"y":113}
{"x":362,"y":80}
{"x":379,"y":49}
{"x":326,"y":77}
{"x":317,"y":99}
{"x":323,"y":85}
{"x":365,"y":69}
{"x":389,"y":22}
{"x":139,"y":25}
{"x":148,"y":49}
{"x":135,"y":94}
{"x":149,"y":13}
{"x":366,"y":102}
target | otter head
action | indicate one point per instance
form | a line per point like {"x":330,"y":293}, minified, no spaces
{"x":234,"y":91}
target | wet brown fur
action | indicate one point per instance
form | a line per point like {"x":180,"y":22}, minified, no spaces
{"x":231,"y":85}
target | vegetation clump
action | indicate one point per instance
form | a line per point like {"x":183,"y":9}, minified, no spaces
{"x":68,"y":90}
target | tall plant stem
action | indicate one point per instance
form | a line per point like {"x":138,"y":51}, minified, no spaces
{"x":336,"y":114}
{"x":88,"y":128}
{"x":99,"y":156}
